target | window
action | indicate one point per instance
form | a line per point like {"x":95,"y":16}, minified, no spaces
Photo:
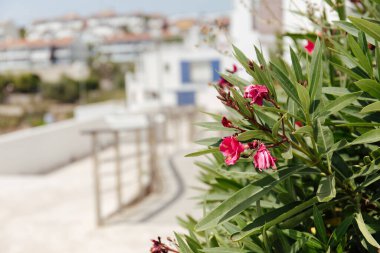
{"x":199,"y":72}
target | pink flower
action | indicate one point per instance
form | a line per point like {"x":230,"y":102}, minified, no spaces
{"x":257,"y":93}
{"x":223,"y":82}
{"x":263,"y":159}
{"x":309,"y":47}
{"x":231,"y":148}
{"x":226,"y":122}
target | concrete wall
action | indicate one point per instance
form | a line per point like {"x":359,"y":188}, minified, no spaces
{"x":43,"y":149}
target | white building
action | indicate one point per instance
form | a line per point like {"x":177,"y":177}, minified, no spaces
{"x":179,"y":75}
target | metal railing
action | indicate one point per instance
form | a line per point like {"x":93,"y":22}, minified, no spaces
{"x":165,"y":132}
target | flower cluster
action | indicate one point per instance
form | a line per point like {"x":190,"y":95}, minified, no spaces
{"x":257,"y":93}
{"x":231,"y":149}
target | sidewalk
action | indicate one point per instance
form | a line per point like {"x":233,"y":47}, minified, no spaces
{"x":54,"y":213}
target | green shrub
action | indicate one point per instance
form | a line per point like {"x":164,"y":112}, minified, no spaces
{"x":299,"y":169}
{"x":26,"y":83}
{"x":66,"y":90}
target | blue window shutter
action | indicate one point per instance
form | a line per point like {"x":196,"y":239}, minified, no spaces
{"x":185,"y":72}
{"x":215,"y":70}
{"x":185,"y":98}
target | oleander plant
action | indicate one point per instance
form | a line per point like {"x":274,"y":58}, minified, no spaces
{"x":297,"y":168}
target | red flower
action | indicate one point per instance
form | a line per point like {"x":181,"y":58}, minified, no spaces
{"x":231,"y":148}
{"x":263,"y":159}
{"x":257,"y":93}
{"x":310,"y":46}
{"x":223,"y":82}
{"x":234,"y":69}
{"x":226,"y":122}
{"x":298,"y":123}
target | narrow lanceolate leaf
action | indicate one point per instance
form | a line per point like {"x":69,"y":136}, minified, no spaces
{"x":305,"y":130}
{"x":235,"y":80}
{"x":296,"y":66}
{"x":182,"y":245}
{"x":347,"y":71}
{"x":360,"y":55}
{"x":340,"y":231}
{"x":252,"y":134}
{"x":369,"y":137}
{"x":244,"y":198}
{"x":316,"y":73}
{"x":338,"y":104}
{"x":368,"y":27}
{"x":242,"y":103}
{"x":326,"y":190}
{"x":203,"y":152}
{"x":364,"y":230}
{"x":304,"y":98}
{"x":272,"y":218}
{"x":214,"y":126}
{"x":319,"y":225}
{"x":370,"y":86}
{"x":288,"y":86}
{"x":351,"y":29}
{"x":312,"y":242}
{"x":374,"y":107}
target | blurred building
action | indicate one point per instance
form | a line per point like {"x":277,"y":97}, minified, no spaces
{"x":8,"y":31}
{"x":181,"y":74}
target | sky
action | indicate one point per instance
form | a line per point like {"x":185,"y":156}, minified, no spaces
{"x":25,"y":11}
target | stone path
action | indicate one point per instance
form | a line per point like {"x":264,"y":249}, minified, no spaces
{"x":54,"y":213}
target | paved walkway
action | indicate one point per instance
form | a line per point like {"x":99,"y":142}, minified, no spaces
{"x":54,"y":213}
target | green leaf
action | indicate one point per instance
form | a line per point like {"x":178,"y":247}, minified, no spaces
{"x":304,"y":98}
{"x":351,"y":29}
{"x":272,"y":218}
{"x":244,"y":198}
{"x":296,"y":66}
{"x":214,"y":126}
{"x":362,"y":58}
{"x":326,"y":189}
{"x":370,"y":180}
{"x":305,"y":130}
{"x":203,"y":152}
{"x":346,"y":71}
{"x":370,"y":86}
{"x":338,"y":104}
{"x":374,"y":107}
{"x":369,"y":137}
{"x":242,"y":103}
{"x":363,"y":229}
{"x":340,"y":231}
{"x":311,"y":240}
{"x":252,"y":134}
{"x":182,"y":245}
{"x":319,"y":225}
{"x":366,"y":26}
{"x":297,"y":246}
{"x":224,"y":250}
{"x":316,"y":73}
{"x":288,"y":86}
{"x":336,"y":91}
{"x":208,"y":141}
{"x":235,"y":80}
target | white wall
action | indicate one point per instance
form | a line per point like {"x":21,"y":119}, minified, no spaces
{"x":43,"y":149}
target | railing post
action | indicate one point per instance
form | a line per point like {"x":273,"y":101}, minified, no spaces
{"x":98,"y":204}
{"x":118,"y":170}
{"x":139,"y":161}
